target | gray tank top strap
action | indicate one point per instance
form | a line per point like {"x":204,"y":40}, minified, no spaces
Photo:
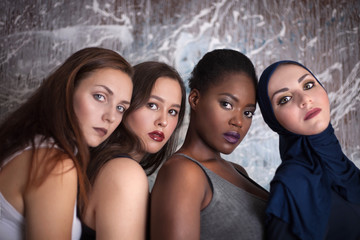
{"x":206,"y":171}
{"x":192,"y":159}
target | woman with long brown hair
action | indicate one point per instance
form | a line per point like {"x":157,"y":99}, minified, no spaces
{"x":45,"y":144}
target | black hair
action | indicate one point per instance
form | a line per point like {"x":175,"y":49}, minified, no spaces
{"x":215,"y":65}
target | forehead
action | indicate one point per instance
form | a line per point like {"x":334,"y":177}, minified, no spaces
{"x":232,"y":81}
{"x":165,"y":83}
{"x":286,"y":74}
{"x":167,"y":88}
{"x":238,"y":85}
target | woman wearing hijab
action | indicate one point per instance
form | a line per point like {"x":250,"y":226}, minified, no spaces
{"x":315,"y":193}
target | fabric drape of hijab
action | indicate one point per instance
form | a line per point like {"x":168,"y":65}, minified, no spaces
{"x":311,"y":167}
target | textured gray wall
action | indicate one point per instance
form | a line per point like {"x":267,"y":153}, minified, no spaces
{"x":36,"y":36}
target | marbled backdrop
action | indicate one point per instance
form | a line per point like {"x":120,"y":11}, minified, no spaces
{"x":37,"y":35}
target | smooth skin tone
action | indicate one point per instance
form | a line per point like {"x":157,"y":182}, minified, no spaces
{"x":100,"y":102}
{"x":300,"y":103}
{"x":221,"y":117}
{"x":49,"y":208}
{"x":118,"y":205}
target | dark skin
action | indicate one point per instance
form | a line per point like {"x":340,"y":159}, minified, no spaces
{"x":182,"y":189}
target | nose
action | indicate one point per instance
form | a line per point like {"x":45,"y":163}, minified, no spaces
{"x":305,"y":99}
{"x":110,"y":115}
{"x":236,"y":120}
{"x":162,"y":120}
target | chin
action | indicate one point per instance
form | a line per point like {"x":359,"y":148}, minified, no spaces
{"x":94,"y":142}
{"x":227,"y":151}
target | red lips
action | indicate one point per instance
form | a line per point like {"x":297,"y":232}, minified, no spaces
{"x":157,"y":136}
{"x":312,"y":113}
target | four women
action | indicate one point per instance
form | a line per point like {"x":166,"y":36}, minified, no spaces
{"x":44,"y":163}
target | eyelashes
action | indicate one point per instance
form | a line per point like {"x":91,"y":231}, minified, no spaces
{"x":285,"y":99}
{"x":228,"y":106}
{"x":154,"y":106}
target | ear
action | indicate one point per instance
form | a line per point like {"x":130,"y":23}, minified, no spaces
{"x":194,"y":98}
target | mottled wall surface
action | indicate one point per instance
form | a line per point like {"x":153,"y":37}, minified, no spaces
{"x":36,"y":36}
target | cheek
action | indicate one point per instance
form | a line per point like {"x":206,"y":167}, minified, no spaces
{"x":81,"y":110}
{"x":137,"y":121}
{"x":172,"y":125}
{"x":284,"y":116}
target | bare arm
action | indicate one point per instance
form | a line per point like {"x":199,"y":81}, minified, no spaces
{"x":49,"y":208}
{"x":176,"y":201}
{"x":120,"y":195}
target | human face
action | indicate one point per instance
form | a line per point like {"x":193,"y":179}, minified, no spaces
{"x":155,"y":122}
{"x":224,"y":112}
{"x":300,"y":103}
{"x":100,"y":101}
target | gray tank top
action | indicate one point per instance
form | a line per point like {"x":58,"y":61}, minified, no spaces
{"x":232,"y":213}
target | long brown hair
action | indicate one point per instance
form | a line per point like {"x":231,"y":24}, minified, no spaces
{"x":49,"y":113}
{"x":123,"y":140}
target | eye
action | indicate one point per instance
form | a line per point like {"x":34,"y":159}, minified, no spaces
{"x":284,"y":100}
{"x":153,"y":106}
{"x":173,"y":112}
{"x":249,"y":114}
{"x":121,"y":109}
{"x":99,"y":97}
{"x":309,"y":85}
{"x":226,"y":105}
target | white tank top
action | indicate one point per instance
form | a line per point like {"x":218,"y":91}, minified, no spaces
{"x":12,"y":223}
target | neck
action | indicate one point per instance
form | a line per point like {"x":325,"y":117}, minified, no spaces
{"x":196,"y":147}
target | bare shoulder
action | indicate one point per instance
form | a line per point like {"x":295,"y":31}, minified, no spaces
{"x":122,"y":171}
{"x":181,"y":175}
{"x":65,"y":165}
{"x":240,"y":168}
{"x":178,"y":166}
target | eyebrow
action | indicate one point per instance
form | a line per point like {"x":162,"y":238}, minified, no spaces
{"x":162,"y":100}
{"x":287,"y":89}
{"x":237,"y":100}
{"x":125,"y":102}
{"x":112,"y":93}
{"x":302,"y":77}
{"x":107,"y":89}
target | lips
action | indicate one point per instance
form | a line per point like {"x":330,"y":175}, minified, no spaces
{"x":232,"y":137}
{"x":312,"y":113}
{"x":157,"y":136}
{"x":101,"y":131}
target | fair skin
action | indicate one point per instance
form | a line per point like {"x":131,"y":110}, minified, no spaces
{"x":52,"y":203}
{"x":100,"y":102}
{"x":221,"y":117}
{"x":118,"y":203}
{"x":156,"y":121}
{"x":300,"y":103}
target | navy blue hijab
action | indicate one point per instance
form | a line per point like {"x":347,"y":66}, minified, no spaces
{"x":312,"y":166}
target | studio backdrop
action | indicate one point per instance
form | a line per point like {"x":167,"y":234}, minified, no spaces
{"x":37,"y":36}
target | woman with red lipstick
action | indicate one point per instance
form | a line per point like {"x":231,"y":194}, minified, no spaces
{"x":198,"y":194}
{"x":118,"y":201}
{"x":315,"y":193}
{"x":45,"y":144}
